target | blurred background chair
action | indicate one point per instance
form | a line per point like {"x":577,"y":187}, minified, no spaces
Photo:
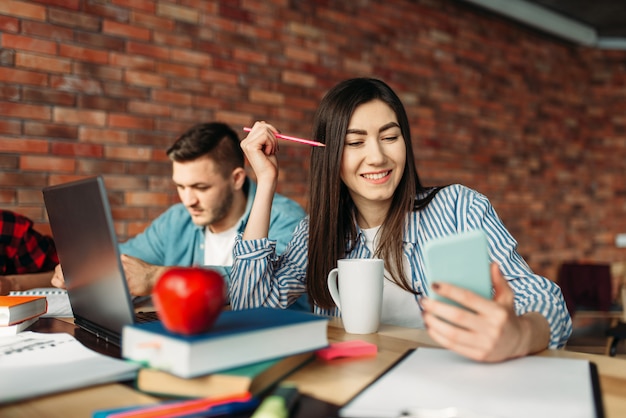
{"x":592,"y":293}
{"x":617,"y":331}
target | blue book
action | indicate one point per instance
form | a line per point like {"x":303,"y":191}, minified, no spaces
{"x":237,"y":338}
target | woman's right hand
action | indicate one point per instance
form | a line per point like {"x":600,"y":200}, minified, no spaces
{"x":260,"y":147}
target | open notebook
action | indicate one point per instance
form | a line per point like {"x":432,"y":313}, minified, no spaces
{"x":433,"y":382}
{"x":82,"y":226}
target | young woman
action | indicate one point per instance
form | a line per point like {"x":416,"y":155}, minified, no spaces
{"x":366,"y":200}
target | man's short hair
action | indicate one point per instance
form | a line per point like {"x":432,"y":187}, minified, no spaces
{"x":215,"y":140}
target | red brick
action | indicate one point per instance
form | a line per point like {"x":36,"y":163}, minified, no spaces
{"x":157,"y":140}
{"x":125,"y":182}
{"x":106,"y":11}
{"x":21,"y":179}
{"x":22,"y":145}
{"x":103,"y":136}
{"x":149,"y":20}
{"x":38,"y":62}
{"x":9,"y":24}
{"x":84,"y":54}
{"x":7,"y":57}
{"x":77,"y":150}
{"x":191,"y":57}
{"x":63,"y":178}
{"x":249,"y":56}
{"x":8,"y":196}
{"x":88,"y":69}
{"x":47,"y":96}
{"x":91,"y":166}
{"x":22,"y":9}
{"x":171,"y":97}
{"x":145,"y":5}
{"x":126,"y":121}
{"x":102,"y":103}
{"x":8,"y":162}
{"x":76,"y":84}
{"x":79,"y":117}
{"x":9,"y":75}
{"x":150,"y":168}
{"x":128,"y":153}
{"x":99,"y":41}
{"x":132,"y":61}
{"x":50,"y":130}
{"x":172,"y":11}
{"x":47,"y":163}
{"x":125,"y":91}
{"x":30,"y":196}
{"x":146,"y":79}
{"x":267,"y":97}
{"x":177,"y":127}
{"x":73,"y":19}
{"x":171,"y":39}
{"x":147,"y":50}
{"x":46,"y":30}
{"x":10,"y":93}
{"x":177,"y":70}
{"x":148,"y":108}
{"x":11,"y":127}
{"x":27,"y":43}
{"x":25,"y":111}
{"x":218,"y":76}
{"x":125,"y":30}
{"x":146,"y":199}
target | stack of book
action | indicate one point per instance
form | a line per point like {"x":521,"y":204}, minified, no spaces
{"x":19,"y":312}
{"x":245,"y":351}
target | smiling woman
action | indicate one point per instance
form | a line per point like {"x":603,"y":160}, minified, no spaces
{"x":367,"y":201}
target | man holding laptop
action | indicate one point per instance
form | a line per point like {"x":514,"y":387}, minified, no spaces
{"x":216,"y":197}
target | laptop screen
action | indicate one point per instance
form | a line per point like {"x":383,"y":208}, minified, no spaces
{"x":82,"y":227}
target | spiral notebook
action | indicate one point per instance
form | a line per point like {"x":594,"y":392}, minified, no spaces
{"x":58,"y":302}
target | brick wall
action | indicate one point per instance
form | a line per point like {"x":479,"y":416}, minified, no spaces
{"x":104,"y":86}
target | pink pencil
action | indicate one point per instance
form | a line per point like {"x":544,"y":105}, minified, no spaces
{"x":294,"y":139}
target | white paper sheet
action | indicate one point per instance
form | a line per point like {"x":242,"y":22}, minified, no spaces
{"x":34,"y":364}
{"x":430,"y":380}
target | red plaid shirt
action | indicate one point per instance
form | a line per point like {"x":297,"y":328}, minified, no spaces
{"x":22,"y":249}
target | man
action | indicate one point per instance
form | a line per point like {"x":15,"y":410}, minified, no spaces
{"x":27,"y":258}
{"x":216,"y":197}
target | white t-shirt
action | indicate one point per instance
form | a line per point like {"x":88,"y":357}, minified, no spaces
{"x":218,"y":247}
{"x":399,"y":306}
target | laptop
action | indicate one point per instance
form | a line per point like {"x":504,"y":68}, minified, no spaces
{"x":82,"y":227}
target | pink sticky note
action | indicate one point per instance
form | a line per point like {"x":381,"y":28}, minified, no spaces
{"x":354,"y":348}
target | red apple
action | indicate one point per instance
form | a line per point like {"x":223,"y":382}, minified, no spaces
{"x":188,"y":300}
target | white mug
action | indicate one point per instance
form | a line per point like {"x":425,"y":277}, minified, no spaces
{"x":356,"y":286}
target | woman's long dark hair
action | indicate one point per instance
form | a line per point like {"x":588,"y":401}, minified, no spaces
{"x":332,"y":213}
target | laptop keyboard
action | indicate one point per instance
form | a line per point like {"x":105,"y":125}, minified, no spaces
{"x":148,"y":316}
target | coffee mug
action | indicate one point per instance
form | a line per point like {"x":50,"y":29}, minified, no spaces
{"x":356,"y":286}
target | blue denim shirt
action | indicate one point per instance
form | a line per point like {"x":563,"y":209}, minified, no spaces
{"x":173,"y":239}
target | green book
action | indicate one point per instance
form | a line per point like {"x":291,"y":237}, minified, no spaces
{"x":255,"y":378}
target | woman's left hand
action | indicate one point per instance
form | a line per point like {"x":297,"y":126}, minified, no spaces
{"x":490,"y":331}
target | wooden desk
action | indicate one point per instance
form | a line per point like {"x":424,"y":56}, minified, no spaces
{"x":334,"y":382}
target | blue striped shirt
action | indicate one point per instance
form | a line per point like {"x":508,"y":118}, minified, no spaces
{"x":261,"y":278}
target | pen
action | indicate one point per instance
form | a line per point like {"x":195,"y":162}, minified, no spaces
{"x":279,"y":403}
{"x":294,"y":139}
{"x":206,"y":407}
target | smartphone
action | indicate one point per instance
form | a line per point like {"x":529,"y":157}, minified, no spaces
{"x":462,"y":260}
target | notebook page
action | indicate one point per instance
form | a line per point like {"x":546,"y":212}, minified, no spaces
{"x":34,"y":364}
{"x":430,"y":379}
{"x":58,"y":301}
